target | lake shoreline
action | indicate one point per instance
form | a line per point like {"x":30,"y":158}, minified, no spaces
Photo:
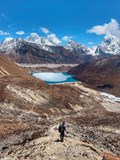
{"x":54,"y":77}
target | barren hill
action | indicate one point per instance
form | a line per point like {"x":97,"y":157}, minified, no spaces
{"x":102,"y":74}
{"x":31,"y":110}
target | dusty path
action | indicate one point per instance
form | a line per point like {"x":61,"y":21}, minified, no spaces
{"x":49,"y":148}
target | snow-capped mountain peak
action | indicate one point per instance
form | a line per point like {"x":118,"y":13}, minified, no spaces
{"x":76,"y":47}
{"x":72,"y":44}
{"x":110,"y":45}
{"x":19,"y":39}
{"x":110,"y":39}
{"x":7,"y":44}
{"x":92,"y":51}
{"x":43,"y":41}
{"x":8,"y":40}
{"x":34,"y":35}
{"x":34,"y":38}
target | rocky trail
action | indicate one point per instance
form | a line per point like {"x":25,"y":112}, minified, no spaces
{"x":50,"y":148}
{"x":30,"y":112}
{"x":89,"y":137}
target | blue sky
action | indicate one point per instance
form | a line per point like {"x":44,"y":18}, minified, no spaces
{"x":85,"y":21}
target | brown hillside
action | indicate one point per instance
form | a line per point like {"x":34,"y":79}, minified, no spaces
{"x":102,"y":74}
{"x":30,"y":112}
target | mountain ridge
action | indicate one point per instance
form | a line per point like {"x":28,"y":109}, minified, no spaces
{"x":22,"y":51}
{"x":108,"y":41}
{"x":36,"y":49}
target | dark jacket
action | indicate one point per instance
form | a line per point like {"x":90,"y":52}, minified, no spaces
{"x":62,"y":128}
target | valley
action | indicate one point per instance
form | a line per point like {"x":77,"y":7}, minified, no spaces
{"x":60,"y":80}
{"x":47,"y":67}
{"x":30,"y":112}
{"x":31,"y":109}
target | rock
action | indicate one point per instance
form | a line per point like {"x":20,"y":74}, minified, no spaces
{"x":4,"y":148}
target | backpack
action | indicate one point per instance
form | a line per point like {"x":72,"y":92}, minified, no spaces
{"x":61,"y":128}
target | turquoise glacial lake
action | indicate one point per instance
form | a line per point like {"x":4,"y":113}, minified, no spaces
{"x":54,"y":77}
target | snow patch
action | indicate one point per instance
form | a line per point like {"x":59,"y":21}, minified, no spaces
{"x":110,"y":97}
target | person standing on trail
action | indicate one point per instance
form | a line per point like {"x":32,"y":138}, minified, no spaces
{"x":62,"y":130}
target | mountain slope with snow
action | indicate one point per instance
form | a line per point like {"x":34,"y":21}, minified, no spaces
{"x":35,"y":49}
{"x":76,"y":48}
{"x":7,"y":44}
{"x":35,"y":38}
{"x":45,"y":46}
{"x":110,"y":45}
{"x":25,"y":52}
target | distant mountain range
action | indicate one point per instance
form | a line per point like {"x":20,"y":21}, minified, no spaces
{"x":36,"y":49}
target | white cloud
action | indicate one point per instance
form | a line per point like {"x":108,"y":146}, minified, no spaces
{"x":90,"y":43}
{"x":66,"y":38}
{"x":2,"y":33}
{"x":53,"y":38}
{"x":44,"y":30}
{"x":112,"y":28}
{"x":20,"y":32}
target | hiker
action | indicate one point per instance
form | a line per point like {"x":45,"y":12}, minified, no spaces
{"x":62,"y":130}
